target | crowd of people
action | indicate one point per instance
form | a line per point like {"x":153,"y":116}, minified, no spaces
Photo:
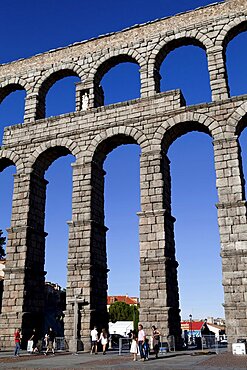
{"x":32,"y":344}
{"x":139,"y":343}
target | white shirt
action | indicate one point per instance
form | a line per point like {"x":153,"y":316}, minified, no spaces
{"x":94,"y":335}
{"x":103,"y":339}
{"x":141,"y":335}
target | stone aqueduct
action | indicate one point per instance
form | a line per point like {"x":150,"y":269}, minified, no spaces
{"x":154,"y":121}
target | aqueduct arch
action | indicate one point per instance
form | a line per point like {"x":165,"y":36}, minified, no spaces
{"x":152,"y":121}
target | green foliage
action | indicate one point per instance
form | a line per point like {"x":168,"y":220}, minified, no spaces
{"x":135,"y":317}
{"x":121,"y":311}
{"x":2,"y":243}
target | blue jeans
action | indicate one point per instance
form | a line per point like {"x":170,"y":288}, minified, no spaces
{"x":140,"y":345}
{"x":17,"y":349}
{"x":146,"y":350}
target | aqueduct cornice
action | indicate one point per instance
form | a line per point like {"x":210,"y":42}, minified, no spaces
{"x":136,"y":36}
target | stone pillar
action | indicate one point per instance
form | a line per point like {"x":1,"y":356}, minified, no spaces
{"x":217,"y":73}
{"x":23,"y":297}
{"x":31,"y":104}
{"x":34,"y":107}
{"x":150,"y":81}
{"x":148,"y":85}
{"x":159,"y":301}
{"x":87,"y":267}
{"x":233,"y":234}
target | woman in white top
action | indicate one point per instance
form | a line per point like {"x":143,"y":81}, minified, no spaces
{"x":104,"y":340}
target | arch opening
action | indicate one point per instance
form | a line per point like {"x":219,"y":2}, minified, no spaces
{"x":181,"y":59}
{"x":50,"y":209}
{"x":117,"y":80}
{"x":196,"y":230}
{"x":242,"y":133}
{"x":181,"y":129}
{"x":57,"y":94}
{"x":235,"y":31}
{"x":108,"y":145}
{"x":12,"y":106}
{"x":122,"y":202}
{"x":115,"y":202}
{"x":7,"y":171}
{"x":235,"y":55}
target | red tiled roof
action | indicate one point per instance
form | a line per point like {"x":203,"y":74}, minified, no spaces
{"x":121,"y":298}
{"x":194,"y":325}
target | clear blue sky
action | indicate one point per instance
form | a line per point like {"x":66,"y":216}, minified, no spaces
{"x":28,"y":27}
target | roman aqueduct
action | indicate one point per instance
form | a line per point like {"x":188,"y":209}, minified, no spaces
{"x":153,"y":122}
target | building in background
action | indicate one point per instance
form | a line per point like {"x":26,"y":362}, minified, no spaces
{"x":55,"y":304}
{"x":192,"y":328}
{"x":121,"y":327}
{"x":132,"y":301}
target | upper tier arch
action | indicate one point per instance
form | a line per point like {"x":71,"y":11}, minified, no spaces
{"x":54,"y":74}
{"x":13,"y":84}
{"x":111,"y":59}
{"x":231,"y":30}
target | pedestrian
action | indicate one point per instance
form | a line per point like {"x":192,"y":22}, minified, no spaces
{"x":141,"y":341}
{"x":104,"y":340}
{"x":94,"y":339}
{"x":146,"y":348}
{"x":156,"y":340}
{"x":130,"y":334}
{"x":205,"y":333}
{"x":34,"y":339}
{"x":17,"y":337}
{"x":134,"y":344}
{"x":51,"y":341}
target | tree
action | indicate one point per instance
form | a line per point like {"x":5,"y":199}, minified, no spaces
{"x":2,"y":243}
{"x":121,"y":311}
{"x":135,"y":315}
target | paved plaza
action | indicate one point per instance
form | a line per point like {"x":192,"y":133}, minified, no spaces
{"x":178,"y":360}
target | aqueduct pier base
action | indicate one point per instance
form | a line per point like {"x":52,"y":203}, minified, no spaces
{"x":153,"y":122}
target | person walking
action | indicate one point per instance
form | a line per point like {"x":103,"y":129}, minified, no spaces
{"x":134,"y":345}
{"x":141,"y":341}
{"x":51,"y":341}
{"x":17,"y":337}
{"x":34,"y":339}
{"x":94,"y":339}
{"x":156,"y":340}
{"x":104,"y":340}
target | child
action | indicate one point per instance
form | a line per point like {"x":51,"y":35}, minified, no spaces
{"x":146,"y":349}
{"x":134,"y":345}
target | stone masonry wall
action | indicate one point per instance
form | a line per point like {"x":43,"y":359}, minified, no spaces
{"x":154,"y":121}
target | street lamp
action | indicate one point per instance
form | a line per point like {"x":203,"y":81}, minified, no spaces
{"x":191,"y":334}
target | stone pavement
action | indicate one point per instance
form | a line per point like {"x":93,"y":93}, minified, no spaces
{"x":112,"y":360}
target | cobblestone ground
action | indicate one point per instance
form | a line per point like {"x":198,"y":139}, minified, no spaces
{"x":113,"y":361}
{"x":226,"y":361}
